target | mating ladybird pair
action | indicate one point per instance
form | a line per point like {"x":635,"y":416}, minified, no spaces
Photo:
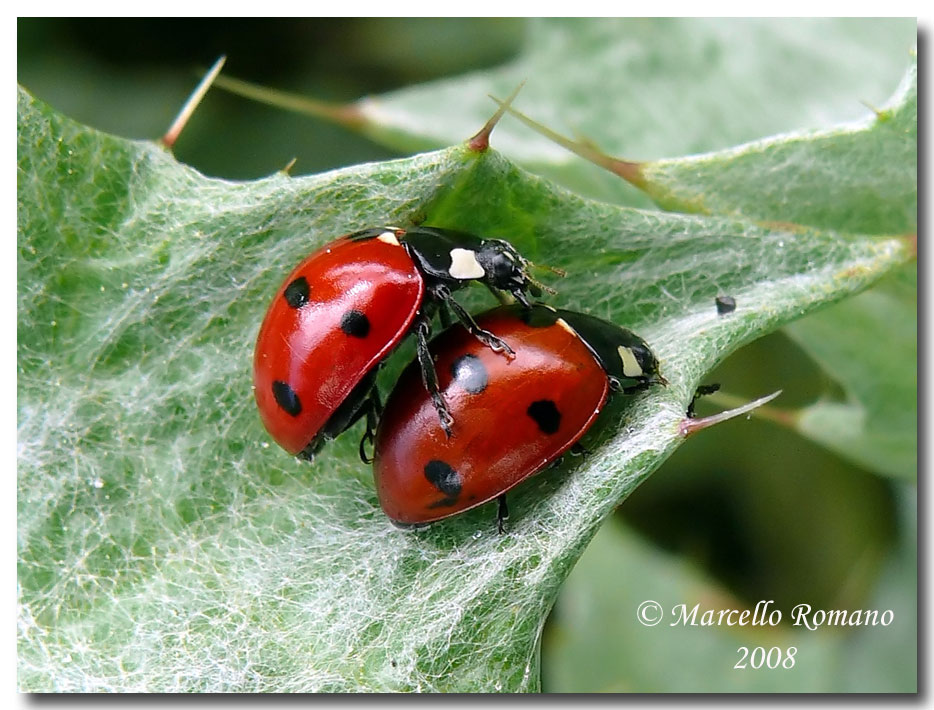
{"x":499,"y":399}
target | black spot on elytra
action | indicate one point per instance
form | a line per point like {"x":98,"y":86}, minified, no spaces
{"x":446,"y":480}
{"x":296,"y":293}
{"x":355,"y":324}
{"x":538,"y":316}
{"x":287,"y":398}
{"x":546,"y":415}
{"x":468,"y":371}
{"x":725,"y":304}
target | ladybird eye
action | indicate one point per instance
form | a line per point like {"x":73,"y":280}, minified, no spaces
{"x":503,"y":266}
{"x":646,"y":359}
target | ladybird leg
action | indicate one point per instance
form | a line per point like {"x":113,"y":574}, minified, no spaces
{"x":494,"y":343}
{"x":374,"y":410}
{"x":444,"y":313}
{"x":429,"y":376}
{"x":377,"y":406}
{"x":366,"y":439}
{"x":504,"y":298}
{"x":640,"y":386}
{"x":369,"y":436}
{"x":502,"y":514}
{"x":578,"y":450}
{"x":520,"y":296}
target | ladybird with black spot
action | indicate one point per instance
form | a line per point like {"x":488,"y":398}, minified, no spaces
{"x":511,"y":418}
{"x":347,"y":306}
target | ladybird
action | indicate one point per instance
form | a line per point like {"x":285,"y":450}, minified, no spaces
{"x":344,"y":308}
{"x":511,"y":418}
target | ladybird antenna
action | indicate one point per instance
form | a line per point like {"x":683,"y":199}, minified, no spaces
{"x":539,"y":285}
{"x":552,"y":269}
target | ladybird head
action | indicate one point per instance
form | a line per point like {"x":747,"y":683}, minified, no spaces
{"x":506,"y":269}
{"x":627,"y":359}
{"x":645,"y":360}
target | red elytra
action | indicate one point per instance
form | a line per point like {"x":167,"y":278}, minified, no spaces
{"x":345,"y":307}
{"x":511,"y":417}
{"x":336,"y":316}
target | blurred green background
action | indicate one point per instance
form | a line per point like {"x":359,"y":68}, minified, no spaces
{"x":732,"y":518}
{"x":130,"y":76}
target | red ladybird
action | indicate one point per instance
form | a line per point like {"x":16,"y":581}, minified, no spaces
{"x":345,"y":307}
{"x":511,"y":418}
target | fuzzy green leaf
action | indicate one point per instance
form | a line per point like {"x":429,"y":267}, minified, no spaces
{"x":646,"y":88}
{"x":164,"y":544}
{"x":854,"y":178}
{"x":860,"y":178}
{"x":869,"y":345}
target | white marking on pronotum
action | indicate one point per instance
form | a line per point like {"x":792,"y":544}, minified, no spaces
{"x":464,"y":265}
{"x":564,"y":324}
{"x":631,"y":366}
{"x":389,"y":238}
